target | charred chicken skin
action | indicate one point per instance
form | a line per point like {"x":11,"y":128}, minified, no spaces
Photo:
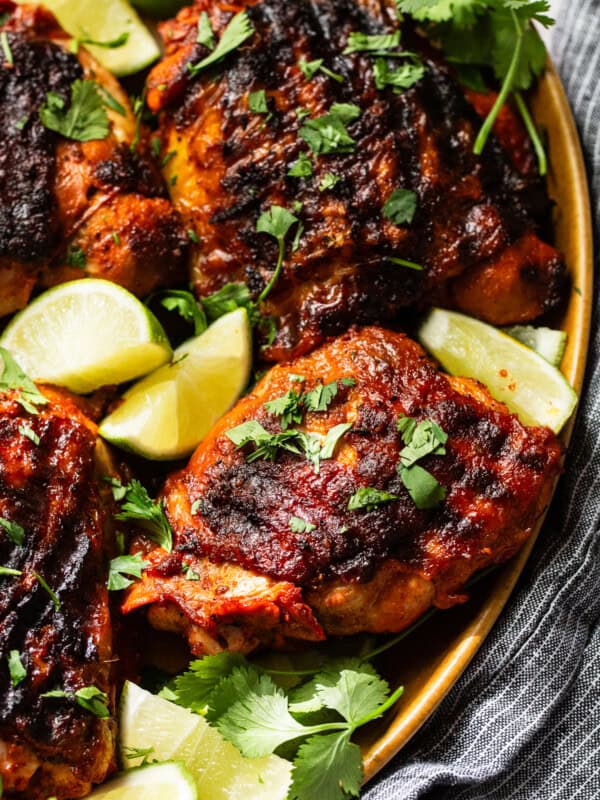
{"x":477,"y":222}
{"x":71,"y":208}
{"x":280,"y":549}
{"x":50,"y":468}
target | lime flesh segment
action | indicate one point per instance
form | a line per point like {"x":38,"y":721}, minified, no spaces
{"x":220,"y":771}
{"x":513,"y":373}
{"x":168,"y":413}
{"x":550,"y":344}
{"x":152,"y":782}
{"x":86,"y":334}
{"x":105,"y":21}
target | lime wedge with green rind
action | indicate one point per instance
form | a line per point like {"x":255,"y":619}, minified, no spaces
{"x":168,"y":413}
{"x":151,"y":782}
{"x":514,"y":374}
{"x":549,"y":343}
{"x":86,"y":334}
{"x":105,"y":21}
{"x":174,"y":733}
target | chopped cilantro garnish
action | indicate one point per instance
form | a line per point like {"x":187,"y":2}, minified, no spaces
{"x":402,"y":262}
{"x":267,"y":445}
{"x":321,"y":397}
{"x":205,"y":32}
{"x":421,"y":485}
{"x":88,"y":697}
{"x":288,"y":407}
{"x":13,"y":378}
{"x":48,"y":590}
{"x":299,"y":525}
{"x":184,"y":303}
{"x":85,"y":119}
{"x":275,"y":222}
{"x":14,"y":531}
{"x":122,"y":566}
{"x":302,"y":168}
{"x":257,"y":102}
{"x":400,"y":207}
{"x":26,"y":430}
{"x":329,"y":181}
{"x":421,"y":439}
{"x":136,"y":506}
{"x":17,"y":671}
{"x":310,"y":68}
{"x":362,"y":42}
{"x":400,"y":78}
{"x":369,"y":498}
{"x":235,"y":34}
{"x":328,"y":133}
{"x":8,"y":56}
{"x":76,"y":257}
{"x":332,"y":438}
{"x":193,"y":236}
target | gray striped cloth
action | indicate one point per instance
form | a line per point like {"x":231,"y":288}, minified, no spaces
{"x":524,"y":721}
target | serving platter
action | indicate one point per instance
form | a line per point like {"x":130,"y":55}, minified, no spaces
{"x":430,"y":662}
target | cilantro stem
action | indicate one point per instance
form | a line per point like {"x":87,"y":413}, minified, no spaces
{"x":380,"y":710}
{"x":507,"y":84}
{"x":275,"y":277}
{"x":533,"y":133}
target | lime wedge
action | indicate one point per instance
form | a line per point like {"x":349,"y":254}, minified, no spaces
{"x":86,"y":334}
{"x":168,"y":413}
{"x":105,"y":21}
{"x":514,"y":374}
{"x":550,"y":344}
{"x":220,"y":771}
{"x":153,"y":782}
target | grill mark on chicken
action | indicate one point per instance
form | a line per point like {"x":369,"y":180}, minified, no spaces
{"x":27,"y":163}
{"x":472,"y":211}
{"x":51,"y":491}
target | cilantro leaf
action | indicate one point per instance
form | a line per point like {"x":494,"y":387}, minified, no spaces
{"x":321,"y":397}
{"x":242,"y":680}
{"x":461,"y":12}
{"x":267,"y":445}
{"x":299,"y":525}
{"x":369,"y":498}
{"x":121,"y":566}
{"x":226,"y":299}
{"x":362,"y":42}
{"x":84,"y":120}
{"x":400,"y":78}
{"x":332,"y":438}
{"x":421,"y":485}
{"x":17,"y":671}
{"x":27,"y":431}
{"x":257,"y":102}
{"x":184,"y":303}
{"x":354,"y":695}
{"x":306,"y":698}
{"x":194,"y":688}
{"x":258,"y":724}
{"x":328,"y":133}
{"x":136,"y":506}
{"x":400,"y":207}
{"x":288,"y":407}
{"x":205,"y":32}
{"x":14,"y":378}
{"x":15,"y":532}
{"x":421,"y":440}
{"x":302,"y":168}
{"x":327,"y":767}
{"x":238,"y":31}
{"x":76,"y":257}
{"x":275,"y":222}
{"x":329,"y":182}
{"x":93,"y":700}
{"x":310,"y":68}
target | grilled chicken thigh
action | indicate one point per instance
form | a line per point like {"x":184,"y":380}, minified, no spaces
{"x":71,"y":208}
{"x":278,"y":539}
{"x":54,"y":615}
{"x":230,"y":149}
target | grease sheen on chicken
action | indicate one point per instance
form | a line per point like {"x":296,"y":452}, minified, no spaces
{"x":50,"y":484}
{"x":57,"y":196}
{"x":263,"y":583}
{"x":478,"y":220}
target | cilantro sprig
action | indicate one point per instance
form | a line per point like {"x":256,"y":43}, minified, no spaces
{"x":239,"y":30}
{"x":122,"y":571}
{"x":83,"y":119}
{"x":90,"y":698}
{"x":328,"y":133}
{"x":259,"y":717}
{"x":496,"y":34}
{"x":137,"y":506}
{"x":275,"y":222}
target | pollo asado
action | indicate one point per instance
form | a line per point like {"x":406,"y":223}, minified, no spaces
{"x":350,"y":491}
{"x":369,"y":143}
{"x":57,"y":730}
{"x":69,"y":207}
